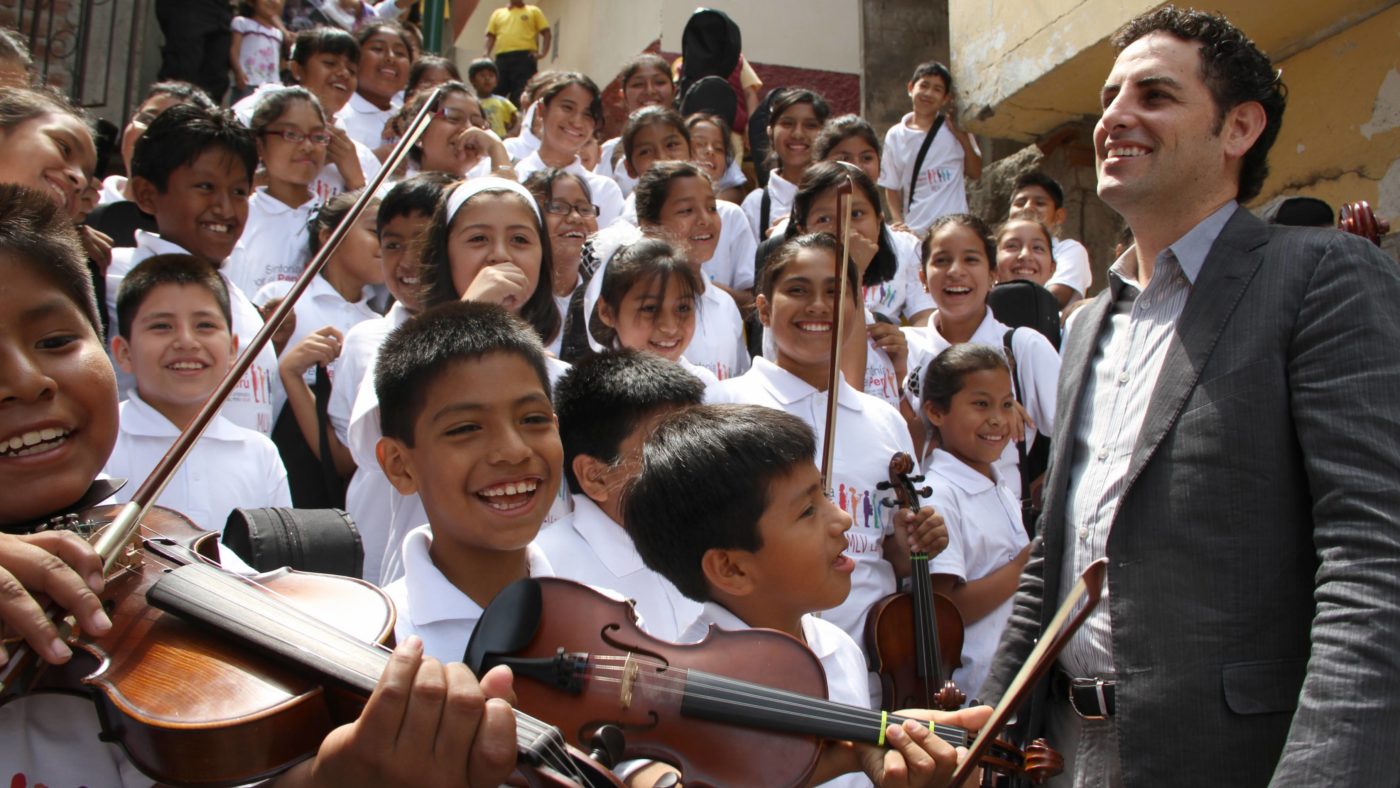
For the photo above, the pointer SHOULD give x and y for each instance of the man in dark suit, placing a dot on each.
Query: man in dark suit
(1228, 435)
(198, 35)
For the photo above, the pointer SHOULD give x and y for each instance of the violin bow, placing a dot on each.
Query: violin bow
(1083, 597)
(114, 537)
(833, 388)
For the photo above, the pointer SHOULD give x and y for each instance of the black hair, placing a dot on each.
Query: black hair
(1038, 178)
(694, 119)
(943, 377)
(326, 217)
(421, 66)
(482, 64)
(826, 175)
(785, 99)
(20, 105)
(604, 397)
(541, 183)
(655, 186)
(1234, 71)
(371, 29)
(703, 484)
(644, 60)
(324, 41)
(651, 116)
(272, 104)
(971, 222)
(786, 254)
(652, 260)
(185, 132)
(419, 194)
(168, 269)
(181, 91)
(838, 130)
(435, 267)
(933, 68)
(562, 80)
(417, 353)
(38, 232)
(14, 47)
(536, 83)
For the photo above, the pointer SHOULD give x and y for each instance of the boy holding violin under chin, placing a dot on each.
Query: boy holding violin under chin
(58, 423)
(729, 507)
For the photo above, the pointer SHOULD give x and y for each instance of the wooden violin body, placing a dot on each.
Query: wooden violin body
(890, 638)
(738, 708)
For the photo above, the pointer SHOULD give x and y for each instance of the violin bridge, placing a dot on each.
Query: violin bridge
(630, 669)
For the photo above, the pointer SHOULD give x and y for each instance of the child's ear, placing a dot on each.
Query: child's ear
(121, 353)
(592, 475)
(232, 347)
(728, 571)
(606, 315)
(1057, 218)
(923, 277)
(298, 75)
(397, 465)
(765, 309)
(934, 415)
(145, 193)
(630, 171)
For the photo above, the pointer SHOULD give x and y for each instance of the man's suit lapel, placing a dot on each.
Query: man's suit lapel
(1228, 269)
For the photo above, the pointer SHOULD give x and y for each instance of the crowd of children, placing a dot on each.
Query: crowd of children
(536, 353)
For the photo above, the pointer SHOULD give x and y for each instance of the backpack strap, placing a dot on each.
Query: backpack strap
(765, 207)
(919, 162)
(1022, 463)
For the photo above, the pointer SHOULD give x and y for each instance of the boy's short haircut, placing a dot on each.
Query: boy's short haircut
(481, 64)
(324, 40)
(168, 269)
(1038, 178)
(185, 132)
(604, 397)
(933, 68)
(417, 353)
(183, 92)
(418, 194)
(14, 47)
(703, 485)
(36, 230)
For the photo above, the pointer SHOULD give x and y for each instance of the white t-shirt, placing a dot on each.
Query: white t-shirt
(984, 534)
(322, 305)
(1071, 266)
(595, 550)
(250, 403)
(365, 122)
(903, 296)
(707, 377)
(869, 432)
(259, 52)
(48, 738)
(781, 193)
(330, 182)
(434, 609)
(718, 342)
(113, 188)
(405, 511)
(606, 195)
(939, 189)
(273, 247)
(1037, 372)
(521, 146)
(841, 658)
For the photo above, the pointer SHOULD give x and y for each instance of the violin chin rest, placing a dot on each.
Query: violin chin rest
(507, 625)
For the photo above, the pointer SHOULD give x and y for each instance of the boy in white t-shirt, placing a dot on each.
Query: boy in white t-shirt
(937, 186)
(967, 398)
(468, 428)
(173, 336)
(728, 506)
(1040, 197)
(607, 404)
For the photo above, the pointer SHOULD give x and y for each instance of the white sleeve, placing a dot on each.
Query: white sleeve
(916, 298)
(1038, 367)
(369, 163)
(607, 195)
(742, 249)
(753, 210)
(953, 559)
(892, 166)
(278, 492)
(1072, 267)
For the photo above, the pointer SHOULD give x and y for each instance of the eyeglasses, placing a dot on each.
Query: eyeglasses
(318, 138)
(458, 117)
(561, 208)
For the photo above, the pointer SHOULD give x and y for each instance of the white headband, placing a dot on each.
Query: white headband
(468, 189)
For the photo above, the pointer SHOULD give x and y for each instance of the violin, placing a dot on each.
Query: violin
(1357, 218)
(211, 678)
(738, 708)
(914, 638)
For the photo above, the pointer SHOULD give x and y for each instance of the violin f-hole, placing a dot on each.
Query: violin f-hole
(662, 664)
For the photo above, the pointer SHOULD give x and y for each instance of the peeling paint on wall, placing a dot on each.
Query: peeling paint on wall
(1385, 113)
(1388, 199)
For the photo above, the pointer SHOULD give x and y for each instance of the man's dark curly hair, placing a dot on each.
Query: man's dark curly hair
(1234, 70)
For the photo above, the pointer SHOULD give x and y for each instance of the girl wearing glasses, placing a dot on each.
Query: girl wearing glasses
(570, 217)
(290, 128)
(457, 141)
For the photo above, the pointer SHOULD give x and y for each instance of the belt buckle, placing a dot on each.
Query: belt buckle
(1098, 685)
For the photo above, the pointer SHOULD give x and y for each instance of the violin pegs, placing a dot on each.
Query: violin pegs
(889, 503)
(924, 492)
(1042, 762)
(882, 485)
(916, 479)
(607, 745)
(949, 698)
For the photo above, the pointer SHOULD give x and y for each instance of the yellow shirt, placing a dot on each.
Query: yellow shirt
(515, 29)
(500, 113)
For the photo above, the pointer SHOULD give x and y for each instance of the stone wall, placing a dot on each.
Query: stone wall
(897, 35)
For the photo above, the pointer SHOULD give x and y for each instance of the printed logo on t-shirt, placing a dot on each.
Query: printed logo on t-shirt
(880, 298)
(880, 381)
(721, 369)
(867, 532)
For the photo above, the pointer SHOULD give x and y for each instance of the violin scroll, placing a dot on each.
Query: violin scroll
(1042, 762)
(949, 698)
(1357, 218)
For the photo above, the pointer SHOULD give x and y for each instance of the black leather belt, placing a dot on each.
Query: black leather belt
(1091, 698)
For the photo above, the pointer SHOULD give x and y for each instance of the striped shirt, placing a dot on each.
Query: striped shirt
(1123, 373)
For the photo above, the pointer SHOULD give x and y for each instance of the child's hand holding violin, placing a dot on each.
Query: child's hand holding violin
(922, 531)
(916, 757)
(36, 568)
